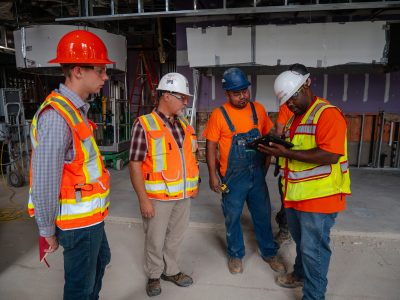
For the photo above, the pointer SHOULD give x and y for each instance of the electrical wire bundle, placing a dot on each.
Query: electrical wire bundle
(14, 211)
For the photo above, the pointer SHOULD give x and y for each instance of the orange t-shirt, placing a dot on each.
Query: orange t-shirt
(217, 129)
(330, 136)
(284, 115)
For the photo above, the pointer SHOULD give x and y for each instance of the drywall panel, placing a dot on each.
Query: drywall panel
(320, 45)
(36, 45)
(357, 42)
(265, 92)
(213, 46)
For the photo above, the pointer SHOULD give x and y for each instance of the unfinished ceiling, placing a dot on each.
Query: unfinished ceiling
(138, 19)
(123, 15)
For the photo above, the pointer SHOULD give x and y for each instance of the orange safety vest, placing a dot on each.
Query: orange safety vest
(169, 172)
(85, 182)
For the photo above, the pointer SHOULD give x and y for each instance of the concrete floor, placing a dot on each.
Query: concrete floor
(365, 242)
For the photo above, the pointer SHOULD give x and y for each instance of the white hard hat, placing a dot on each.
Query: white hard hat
(174, 82)
(288, 83)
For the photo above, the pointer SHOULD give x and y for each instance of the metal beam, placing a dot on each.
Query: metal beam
(237, 11)
(7, 50)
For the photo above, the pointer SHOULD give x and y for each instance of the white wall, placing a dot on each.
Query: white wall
(265, 92)
(314, 45)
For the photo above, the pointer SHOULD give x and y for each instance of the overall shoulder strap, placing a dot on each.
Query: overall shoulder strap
(227, 119)
(253, 109)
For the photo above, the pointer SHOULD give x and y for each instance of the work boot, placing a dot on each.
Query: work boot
(179, 279)
(153, 287)
(282, 237)
(289, 281)
(275, 264)
(235, 265)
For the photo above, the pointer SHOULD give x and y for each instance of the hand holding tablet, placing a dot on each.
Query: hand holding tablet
(266, 139)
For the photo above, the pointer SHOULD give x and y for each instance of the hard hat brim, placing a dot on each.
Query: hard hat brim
(186, 94)
(238, 88)
(84, 61)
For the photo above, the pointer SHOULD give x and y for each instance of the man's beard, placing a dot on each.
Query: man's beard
(181, 112)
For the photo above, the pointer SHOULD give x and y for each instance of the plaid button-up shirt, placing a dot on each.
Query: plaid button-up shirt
(138, 147)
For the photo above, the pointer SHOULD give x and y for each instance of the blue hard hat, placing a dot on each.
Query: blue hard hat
(234, 80)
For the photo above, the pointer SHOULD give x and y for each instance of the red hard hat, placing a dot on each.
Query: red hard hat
(81, 47)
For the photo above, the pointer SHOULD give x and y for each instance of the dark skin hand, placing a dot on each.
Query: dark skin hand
(314, 156)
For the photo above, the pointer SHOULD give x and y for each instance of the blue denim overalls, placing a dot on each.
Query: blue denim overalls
(245, 179)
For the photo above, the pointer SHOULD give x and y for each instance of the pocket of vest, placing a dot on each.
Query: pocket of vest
(171, 175)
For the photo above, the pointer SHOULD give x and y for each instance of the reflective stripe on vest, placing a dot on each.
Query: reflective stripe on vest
(171, 188)
(93, 168)
(84, 187)
(307, 174)
(158, 145)
(344, 166)
(286, 129)
(311, 117)
(193, 138)
(306, 129)
(71, 209)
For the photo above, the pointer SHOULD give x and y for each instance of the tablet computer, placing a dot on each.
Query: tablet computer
(266, 139)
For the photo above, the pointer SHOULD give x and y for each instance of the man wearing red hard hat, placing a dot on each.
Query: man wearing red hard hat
(69, 184)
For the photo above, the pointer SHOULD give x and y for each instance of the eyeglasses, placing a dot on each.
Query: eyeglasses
(239, 93)
(179, 97)
(99, 70)
(296, 95)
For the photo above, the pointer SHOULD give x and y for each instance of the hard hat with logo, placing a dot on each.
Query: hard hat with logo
(174, 82)
(234, 80)
(288, 83)
(81, 47)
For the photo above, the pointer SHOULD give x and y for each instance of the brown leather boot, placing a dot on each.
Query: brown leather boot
(275, 264)
(179, 279)
(153, 287)
(235, 265)
(289, 281)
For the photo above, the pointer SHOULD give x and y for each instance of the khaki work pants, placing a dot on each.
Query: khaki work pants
(163, 237)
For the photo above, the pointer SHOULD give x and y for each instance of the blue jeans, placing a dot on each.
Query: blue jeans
(280, 218)
(86, 255)
(247, 185)
(311, 233)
